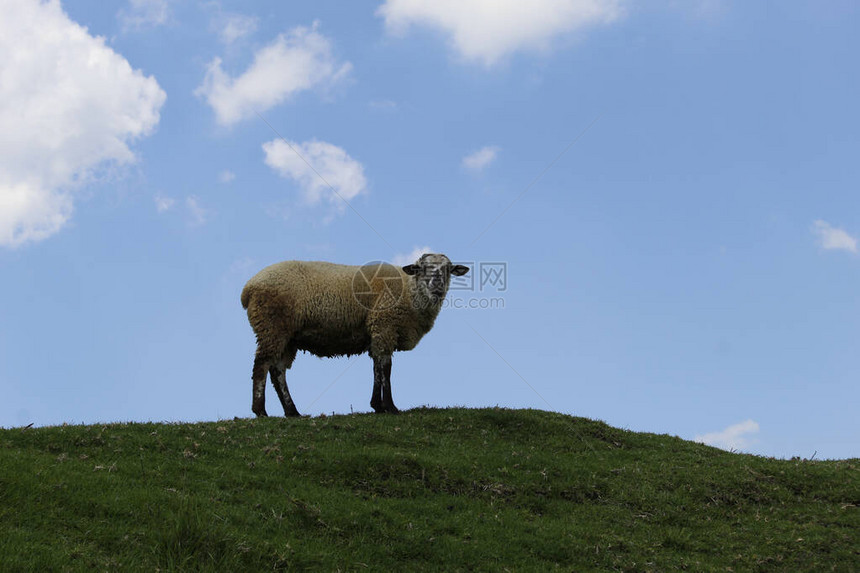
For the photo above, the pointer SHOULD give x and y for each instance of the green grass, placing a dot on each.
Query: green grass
(430, 489)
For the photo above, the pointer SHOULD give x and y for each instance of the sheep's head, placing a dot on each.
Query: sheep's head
(433, 274)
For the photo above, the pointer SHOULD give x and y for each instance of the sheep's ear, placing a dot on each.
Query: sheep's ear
(459, 270)
(411, 269)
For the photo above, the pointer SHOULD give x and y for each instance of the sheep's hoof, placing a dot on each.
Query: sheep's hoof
(382, 408)
(261, 412)
(292, 413)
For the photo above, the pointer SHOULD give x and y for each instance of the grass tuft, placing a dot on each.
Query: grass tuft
(189, 541)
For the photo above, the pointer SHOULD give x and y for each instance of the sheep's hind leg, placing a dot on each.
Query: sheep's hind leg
(382, 401)
(279, 381)
(258, 404)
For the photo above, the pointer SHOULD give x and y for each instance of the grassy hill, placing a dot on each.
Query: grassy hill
(431, 489)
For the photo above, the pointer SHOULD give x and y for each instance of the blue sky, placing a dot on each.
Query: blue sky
(672, 187)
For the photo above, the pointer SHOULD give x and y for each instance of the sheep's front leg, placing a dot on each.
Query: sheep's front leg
(382, 401)
(376, 397)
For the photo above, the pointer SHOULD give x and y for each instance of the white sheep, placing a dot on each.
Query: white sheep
(336, 310)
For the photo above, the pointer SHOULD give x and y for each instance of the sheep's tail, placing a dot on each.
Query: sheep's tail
(246, 297)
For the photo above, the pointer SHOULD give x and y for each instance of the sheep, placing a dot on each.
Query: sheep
(332, 310)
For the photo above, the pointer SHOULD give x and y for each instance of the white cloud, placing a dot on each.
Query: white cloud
(144, 13)
(331, 165)
(483, 157)
(409, 258)
(232, 27)
(226, 176)
(69, 105)
(735, 437)
(298, 60)
(831, 238)
(485, 31)
(163, 203)
(29, 211)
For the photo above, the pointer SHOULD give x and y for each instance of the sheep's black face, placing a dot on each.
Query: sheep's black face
(433, 273)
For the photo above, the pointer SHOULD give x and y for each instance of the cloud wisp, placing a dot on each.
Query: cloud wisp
(234, 27)
(197, 215)
(69, 106)
(163, 203)
(832, 238)
(143, 14)
(402, 259)
(321, 170)
(486, 32)
(734, 437)
(481, 158)
(296, 61)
